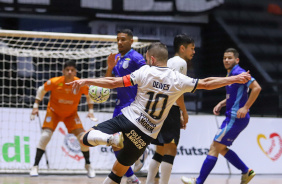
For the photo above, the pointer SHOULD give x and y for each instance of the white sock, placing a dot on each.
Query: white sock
(165, 172)
(96, 137)
(152, 171)
(109, 181)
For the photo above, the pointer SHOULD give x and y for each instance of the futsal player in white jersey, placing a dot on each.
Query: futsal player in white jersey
(158, 88)
(168, 138)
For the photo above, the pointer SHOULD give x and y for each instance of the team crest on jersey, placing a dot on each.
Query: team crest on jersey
(125, 63)
(48, 82)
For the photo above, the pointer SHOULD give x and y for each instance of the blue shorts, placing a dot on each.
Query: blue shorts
(230, 129)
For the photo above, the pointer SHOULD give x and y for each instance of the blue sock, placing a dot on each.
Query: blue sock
(233, 158)
(129, 172)
(207, 167)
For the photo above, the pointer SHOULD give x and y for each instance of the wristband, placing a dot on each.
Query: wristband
(91, 111)
(35, 105)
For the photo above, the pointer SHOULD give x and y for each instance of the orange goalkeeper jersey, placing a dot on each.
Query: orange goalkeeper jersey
(62, 101)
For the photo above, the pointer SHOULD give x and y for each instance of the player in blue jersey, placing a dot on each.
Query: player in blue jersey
(119, 65)
(237, 118)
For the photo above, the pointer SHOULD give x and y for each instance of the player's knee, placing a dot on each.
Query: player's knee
(45, 138)
(84, 140)
(79, 137)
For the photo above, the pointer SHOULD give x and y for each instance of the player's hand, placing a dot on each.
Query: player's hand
(91, 116)
(76, 85)
(241, 113)
(243, 77)
(34, 113)
(216, 109)
(111, 61)
(184, 120)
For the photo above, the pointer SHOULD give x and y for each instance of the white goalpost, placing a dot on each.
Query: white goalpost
(28, 59)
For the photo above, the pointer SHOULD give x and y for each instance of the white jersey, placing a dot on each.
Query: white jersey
(158, 88)
(176, 63)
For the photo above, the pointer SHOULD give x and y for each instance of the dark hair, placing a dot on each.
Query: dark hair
(159, 51)
(182, 39)
(234, 51)
(126, 31)
(69, 63)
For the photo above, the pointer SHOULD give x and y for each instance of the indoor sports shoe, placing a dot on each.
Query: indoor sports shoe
(188, 180)
(90, 171)
(246, 178)
(133, 180)
(116, 140)
(140, 162)
(34, 171)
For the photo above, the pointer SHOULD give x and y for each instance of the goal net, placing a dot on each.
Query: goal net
(28, 59)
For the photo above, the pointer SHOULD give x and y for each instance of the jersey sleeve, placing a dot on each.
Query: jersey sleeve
(139, 61)
(189, 84)
(49, 85)
(250, 81)
(137, 76)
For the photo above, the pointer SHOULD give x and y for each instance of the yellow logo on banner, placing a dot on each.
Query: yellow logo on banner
(273, 146)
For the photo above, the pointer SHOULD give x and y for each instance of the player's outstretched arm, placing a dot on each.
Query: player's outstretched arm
(218, 82)
(106, 82)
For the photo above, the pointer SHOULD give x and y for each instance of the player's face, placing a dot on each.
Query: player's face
(124, 43)
(188, 52)
(69, 72)
(229, 60)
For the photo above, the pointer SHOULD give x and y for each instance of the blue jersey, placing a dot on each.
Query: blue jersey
(127, 64)
(236, 94)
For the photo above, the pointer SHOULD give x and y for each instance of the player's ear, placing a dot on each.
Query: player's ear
(237, 60)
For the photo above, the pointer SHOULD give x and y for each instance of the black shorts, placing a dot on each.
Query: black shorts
(135, 141)
(170, 131)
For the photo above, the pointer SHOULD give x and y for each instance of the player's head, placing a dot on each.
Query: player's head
(157, 54)
(230, 58)
(184, 46)
(124, 40)
(69, 70)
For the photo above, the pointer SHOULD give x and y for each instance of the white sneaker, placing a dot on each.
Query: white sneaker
(34, 171)
(90, 171)
(246, 178)
(116, 140)
(133, 180)
(188, 180)
(140, 162)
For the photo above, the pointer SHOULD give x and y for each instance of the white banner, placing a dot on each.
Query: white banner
(259, 145)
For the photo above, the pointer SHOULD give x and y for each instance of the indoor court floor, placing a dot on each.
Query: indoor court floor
(82, 179)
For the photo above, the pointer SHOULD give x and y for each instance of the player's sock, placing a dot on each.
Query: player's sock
(166, 167)
(233, 158)
(129, 171)
(39, 153)
(86, 156)
(154, 168)
(207, 167)
(96, 137)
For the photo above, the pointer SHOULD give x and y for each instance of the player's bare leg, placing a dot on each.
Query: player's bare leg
(85, 151)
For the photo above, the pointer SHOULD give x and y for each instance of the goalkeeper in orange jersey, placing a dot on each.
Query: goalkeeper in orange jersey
(62, 106)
